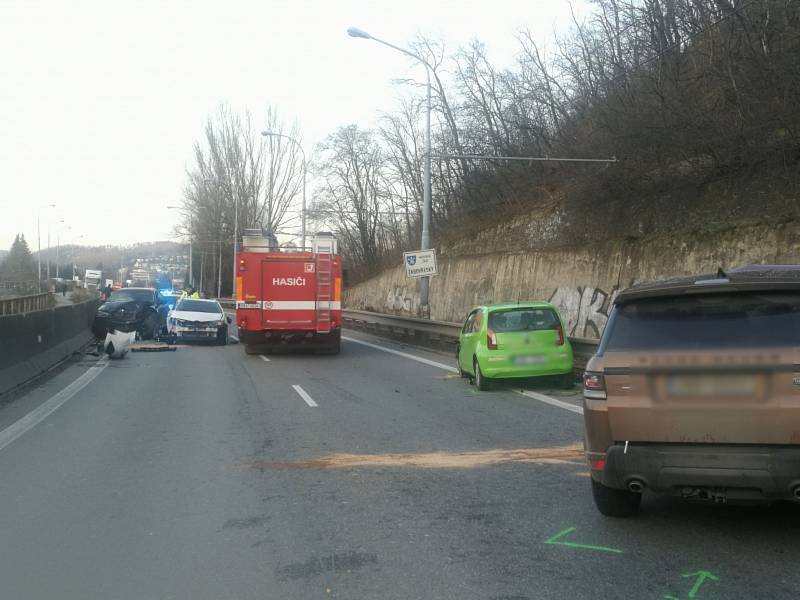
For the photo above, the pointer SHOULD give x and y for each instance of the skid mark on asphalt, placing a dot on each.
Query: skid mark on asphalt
(333, 563)
(571, 454)
(246, 522)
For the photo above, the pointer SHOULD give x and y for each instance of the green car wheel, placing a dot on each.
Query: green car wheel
(461, 372)
(480, 381)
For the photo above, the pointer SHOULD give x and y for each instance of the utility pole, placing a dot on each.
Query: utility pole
(39, 250)
(219, 272)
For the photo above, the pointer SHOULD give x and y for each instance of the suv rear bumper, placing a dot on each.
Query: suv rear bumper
(734, 471)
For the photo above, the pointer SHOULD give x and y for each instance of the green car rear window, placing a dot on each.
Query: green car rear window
(522, 319)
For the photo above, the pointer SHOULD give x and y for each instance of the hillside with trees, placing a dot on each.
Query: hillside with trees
(698, 101)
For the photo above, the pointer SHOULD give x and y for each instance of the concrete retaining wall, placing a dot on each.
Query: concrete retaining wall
(581, 281)
(33, 342)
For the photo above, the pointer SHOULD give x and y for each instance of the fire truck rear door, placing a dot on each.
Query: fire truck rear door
(288, 292)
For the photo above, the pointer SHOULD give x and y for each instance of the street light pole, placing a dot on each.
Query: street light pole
(424, 283)
(191, 272)
(58, 246)
(235, 244)
(39, 250)
(305, 172)
(39, 239)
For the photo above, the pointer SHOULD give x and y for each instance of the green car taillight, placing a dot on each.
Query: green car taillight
(491, 340)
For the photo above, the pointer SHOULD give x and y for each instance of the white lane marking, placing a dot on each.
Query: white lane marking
(535, 395)
(548, 400)
(425, 361)
(304, 395)
(264, 358)
(44, 410)
(233, 337)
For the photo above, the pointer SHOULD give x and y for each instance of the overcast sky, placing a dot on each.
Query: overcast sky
(100, 101)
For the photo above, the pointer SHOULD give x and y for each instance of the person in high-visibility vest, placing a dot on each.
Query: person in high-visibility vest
(195, 294)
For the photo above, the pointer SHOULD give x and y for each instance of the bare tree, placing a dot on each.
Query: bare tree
(355, 193)
(237, 171)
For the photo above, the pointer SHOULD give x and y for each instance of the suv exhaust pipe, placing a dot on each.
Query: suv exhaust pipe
(637, 486)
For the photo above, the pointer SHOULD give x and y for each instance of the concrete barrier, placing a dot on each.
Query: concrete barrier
(31, 343)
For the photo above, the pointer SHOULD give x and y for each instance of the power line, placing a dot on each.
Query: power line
(613, 159)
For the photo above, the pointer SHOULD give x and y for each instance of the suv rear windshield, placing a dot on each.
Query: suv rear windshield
(198, 306)
(522, 319)
(705, 321)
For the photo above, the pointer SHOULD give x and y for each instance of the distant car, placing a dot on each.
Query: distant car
(130, 309)
(694, 388)
(195, 319)
(504, 341)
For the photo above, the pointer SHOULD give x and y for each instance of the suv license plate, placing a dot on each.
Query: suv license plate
(535, 359)
(711, 385)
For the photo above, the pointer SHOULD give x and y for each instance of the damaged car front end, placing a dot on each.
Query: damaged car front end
(129, 310)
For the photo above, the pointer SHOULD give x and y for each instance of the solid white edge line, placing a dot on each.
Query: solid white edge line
(44, 410)
(424, 361)
(304, 395)
(548, 400)
(535, 395)
(264, 358)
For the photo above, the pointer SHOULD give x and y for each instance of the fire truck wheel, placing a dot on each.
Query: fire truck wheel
(335, 349)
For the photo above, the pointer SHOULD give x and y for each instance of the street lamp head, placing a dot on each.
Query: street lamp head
(358, 33)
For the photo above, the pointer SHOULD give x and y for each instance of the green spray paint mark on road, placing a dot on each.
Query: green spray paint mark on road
(701, 578)
(555, 540)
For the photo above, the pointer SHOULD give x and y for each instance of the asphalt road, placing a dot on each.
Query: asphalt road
(205, 473)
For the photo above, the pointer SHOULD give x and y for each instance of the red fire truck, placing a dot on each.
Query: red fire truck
(288, 297)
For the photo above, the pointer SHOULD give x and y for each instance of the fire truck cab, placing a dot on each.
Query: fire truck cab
(288, 297)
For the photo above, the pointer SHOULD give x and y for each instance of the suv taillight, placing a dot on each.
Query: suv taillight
(559, 335)
(594, 386)
(491, 340)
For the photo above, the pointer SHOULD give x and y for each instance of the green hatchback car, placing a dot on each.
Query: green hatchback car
(503, 341)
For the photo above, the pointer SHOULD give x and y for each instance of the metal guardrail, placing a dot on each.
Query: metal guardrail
(439, 334)
(443, 334)
(20, 288)
(25, 304)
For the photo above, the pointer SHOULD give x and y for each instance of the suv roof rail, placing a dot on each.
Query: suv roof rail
(752, 277)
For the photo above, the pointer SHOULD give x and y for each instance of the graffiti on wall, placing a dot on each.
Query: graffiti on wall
(584, 310)
(400, 299)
